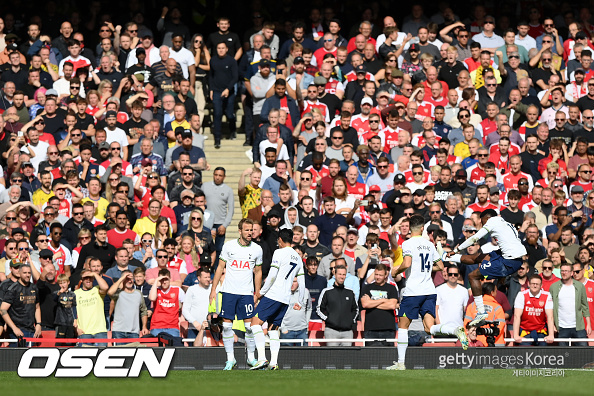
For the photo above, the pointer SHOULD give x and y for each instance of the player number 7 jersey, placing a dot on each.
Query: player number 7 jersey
(289, 265)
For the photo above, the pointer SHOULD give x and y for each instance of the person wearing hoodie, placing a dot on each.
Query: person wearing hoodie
(291, 218)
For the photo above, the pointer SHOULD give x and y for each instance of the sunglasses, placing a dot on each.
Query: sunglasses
(53, 153)
(464, 116)
(112, 179)
(490, 85)
(74, 87)
(489, 22)
(559, 119)
(50, 214)
(133, 31)
(42, 240)
(161, 256)
(329, 40)
(115, 148)
(10, 218)
(435, 211)
(588, 172)
(482, 155)
(463, 36)
(417, 173)
(382, 166)
(575, 271)
(513, 57)
(23, 248)
(153, 177)
(547, 268)
(306, 178)
(188, 174)
(452, 274)
(56, 233)
(84, 238)
(374, 121)
(77, 213)
(589, 118)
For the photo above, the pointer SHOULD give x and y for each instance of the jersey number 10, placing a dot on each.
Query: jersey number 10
(425, 264)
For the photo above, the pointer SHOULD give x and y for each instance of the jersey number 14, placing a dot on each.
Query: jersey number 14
(425, 263)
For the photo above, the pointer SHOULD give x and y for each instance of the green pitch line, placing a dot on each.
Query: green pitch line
(310, 382)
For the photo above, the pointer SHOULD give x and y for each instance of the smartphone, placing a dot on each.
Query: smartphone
(20, 133)
(374, 246)
(365, 202)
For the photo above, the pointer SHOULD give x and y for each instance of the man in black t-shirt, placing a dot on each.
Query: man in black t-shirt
(223, 35)
(20, 307)
(379, 299)
(46, 285)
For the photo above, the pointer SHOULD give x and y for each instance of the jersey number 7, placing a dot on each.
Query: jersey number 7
(425, 264)
(293, 265)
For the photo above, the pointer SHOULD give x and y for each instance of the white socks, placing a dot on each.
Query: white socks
(274, 336)
(249, 342)
(402, 344)
(260, 341)
(445, 329)
(228, 339)
(480, 308)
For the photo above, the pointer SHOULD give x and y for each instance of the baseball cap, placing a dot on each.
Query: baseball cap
(264, 63)
(574, 189)
(103, 146)
(414, 47)
(14, 263)
(361, 69)
(27, 163)
(366, 100)
(579, 70)
(274, 213)
(353, 230)
(375, 187)
(140, 51)
(179, 130)
(494, 190)
(186, 133)
(111, 113)
(580, 36)
(419, 192)
(12, 47)
(373, 208)
(399, 178)
(299, 59)
(146, 162)
(46, 253)
(461, 173)
(51, 92)
(397, 73)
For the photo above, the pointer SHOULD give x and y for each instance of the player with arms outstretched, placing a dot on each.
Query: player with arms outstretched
(274, 298)
(420, 259)
(243, 260)
(497, 264)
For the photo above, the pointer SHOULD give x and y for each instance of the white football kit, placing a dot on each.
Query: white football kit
(504, 234)
(240, 263)
(289, 265)
(418, 275)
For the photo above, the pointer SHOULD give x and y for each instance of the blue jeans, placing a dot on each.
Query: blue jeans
(171, 332)
(27, 334)
(124, 334)
(295, 335)
(572, 333)
(220, 105)
(91, 336)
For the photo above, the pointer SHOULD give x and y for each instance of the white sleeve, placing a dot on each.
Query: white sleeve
(549, 303)
(183, 268)
(186, 309)
(182, 295)
(519, 302)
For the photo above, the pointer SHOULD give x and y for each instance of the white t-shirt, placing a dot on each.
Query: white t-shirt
(264, 144)
(240, 263)
(266, 173)
(289, 265)
(418, 275)
(196, 304)
(567, 307)
(117, 135)
(40, 153)
(452, 304)
(185, 59)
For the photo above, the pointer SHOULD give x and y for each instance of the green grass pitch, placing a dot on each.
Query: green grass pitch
(310, 382)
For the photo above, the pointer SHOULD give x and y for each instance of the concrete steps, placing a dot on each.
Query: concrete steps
(232, 157)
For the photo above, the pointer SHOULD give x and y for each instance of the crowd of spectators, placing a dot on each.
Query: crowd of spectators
(106, 224)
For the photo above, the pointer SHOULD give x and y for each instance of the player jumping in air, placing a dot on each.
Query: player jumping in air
(274, 298)
(420, 259)
(499, 263)
(243, 260)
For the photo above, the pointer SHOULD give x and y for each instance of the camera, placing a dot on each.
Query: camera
(490, 330)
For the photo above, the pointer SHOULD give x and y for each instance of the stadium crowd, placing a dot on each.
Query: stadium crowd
(353, 128)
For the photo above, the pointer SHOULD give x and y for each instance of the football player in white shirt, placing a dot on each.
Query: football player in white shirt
(420, 259)
(499, 263)
(242, 260)
(274, 298)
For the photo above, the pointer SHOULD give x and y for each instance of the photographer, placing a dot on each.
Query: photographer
(494, 311)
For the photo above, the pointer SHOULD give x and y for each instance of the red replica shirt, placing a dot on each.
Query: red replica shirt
(533, 315)
(390, 138)
(116, 238)
(589, 285)
(309, 105)
(409, 176)
(510, 181)
(546, 283)
(488, 128)
(323, 172)
(59, 261)
(358, 190)
(166, 309)
(360, 124)
(425, 109)
(476, 207)
(477, 175)
(514, 149)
